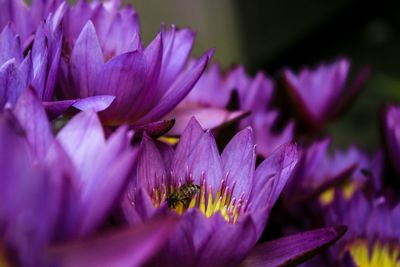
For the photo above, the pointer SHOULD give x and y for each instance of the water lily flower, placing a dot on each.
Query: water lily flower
(373, 237)
(146, 82)
(320, 93)
(39, 68)
(210, 99)
(222, 201)
(320, 173)
(391, 123)
(97, 168)
(36, 210)
(24, 18)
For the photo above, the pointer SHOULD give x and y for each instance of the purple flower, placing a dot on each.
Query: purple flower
(107, 58)
(39, 68)
(223, 202)
(318, 172)
(392, 135)
(373, 237)
(209, 102)
(97, 168)
(25, 19)
(320, 94)
(40, 204)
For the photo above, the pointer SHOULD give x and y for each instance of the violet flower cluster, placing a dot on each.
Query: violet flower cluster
(120, 154)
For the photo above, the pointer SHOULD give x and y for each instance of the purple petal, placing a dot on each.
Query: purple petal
(11, 83)
(152, 92)
(40, 57)
(229, 244)
(280, 165)
(56, 108)
(95, 103)
(188, 141)
(105, 181)
(179, 89)
(124, 77)
(129, 247)
(83, 138)
(32, 116)
(206, 161)
(294, 249)
(238, 160)
(270, 179)
(150, 168)
(155, 129)
(177, 47)
(191, 235)
(10, 46)
(209, 118)
(85, 63)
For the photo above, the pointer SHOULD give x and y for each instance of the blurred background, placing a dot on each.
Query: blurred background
(267, 35)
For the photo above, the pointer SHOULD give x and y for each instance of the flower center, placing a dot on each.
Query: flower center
(380, 254)
(187, 195)
(348, 189)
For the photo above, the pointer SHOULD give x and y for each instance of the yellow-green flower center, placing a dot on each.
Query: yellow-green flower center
(377, 255)
(187, 195)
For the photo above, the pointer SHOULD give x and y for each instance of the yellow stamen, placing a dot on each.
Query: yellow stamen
(381, 255)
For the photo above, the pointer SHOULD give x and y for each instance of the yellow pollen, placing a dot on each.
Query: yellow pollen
(380, 255)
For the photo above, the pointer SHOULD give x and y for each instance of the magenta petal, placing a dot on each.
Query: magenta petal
(85, 62)
(238, 160)
(178, 90)
(294, 249)
(32, 116)
(129, 247)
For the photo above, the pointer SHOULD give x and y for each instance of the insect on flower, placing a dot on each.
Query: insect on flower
(183, 195)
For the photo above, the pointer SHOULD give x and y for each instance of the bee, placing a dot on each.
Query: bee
(183, 195)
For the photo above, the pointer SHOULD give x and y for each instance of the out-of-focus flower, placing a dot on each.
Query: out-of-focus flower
(320, 175)
(392, 135)
(210, 99)
(24, 18)
(373, 237)
(98, 168)
(104, 56)
(39, 68)
(320, 94)
(224, 204)
(40, 205)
